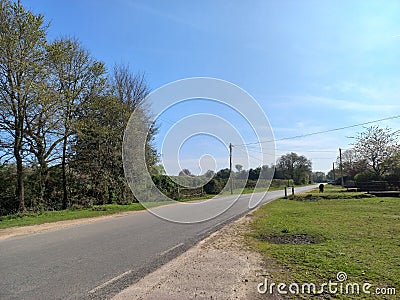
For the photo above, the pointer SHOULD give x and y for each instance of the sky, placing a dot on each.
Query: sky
(310, 65)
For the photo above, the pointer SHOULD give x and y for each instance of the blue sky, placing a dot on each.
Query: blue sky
(311, 65)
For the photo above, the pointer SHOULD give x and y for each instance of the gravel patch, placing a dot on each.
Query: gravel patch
(220, 267)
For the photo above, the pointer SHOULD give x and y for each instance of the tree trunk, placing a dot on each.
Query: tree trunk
(64, 175)
(20, 193)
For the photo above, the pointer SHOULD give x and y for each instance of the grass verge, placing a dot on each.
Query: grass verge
(316, 237)
(25, 219)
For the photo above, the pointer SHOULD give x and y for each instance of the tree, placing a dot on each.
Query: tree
(377, 146)
(185, 172)
(238, 167)
(22, 52)
(318, 177)
(43, 132)
(352, 164)
(293, 166)
(131, 89)
(97, 148)
(223, 174)
(159, 170)
(100, 127)
(76, 78)
(209, 174)
(254, 173)
(331, 176)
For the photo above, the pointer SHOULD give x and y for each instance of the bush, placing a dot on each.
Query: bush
(366, 176)
(8, 200)
(215, 186)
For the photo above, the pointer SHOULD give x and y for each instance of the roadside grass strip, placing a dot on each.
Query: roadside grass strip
(313, 237)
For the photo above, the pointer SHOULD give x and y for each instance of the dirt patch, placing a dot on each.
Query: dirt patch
(295, 239)
(222, 266)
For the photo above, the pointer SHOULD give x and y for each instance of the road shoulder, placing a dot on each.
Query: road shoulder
(221, 266)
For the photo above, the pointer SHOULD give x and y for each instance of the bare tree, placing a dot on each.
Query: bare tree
(131, 89)
(377, 146)
(352, 163)
(185, 172)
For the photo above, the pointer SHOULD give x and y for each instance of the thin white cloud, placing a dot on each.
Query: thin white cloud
(351, 105)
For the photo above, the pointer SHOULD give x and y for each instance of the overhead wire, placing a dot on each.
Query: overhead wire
(321, 132)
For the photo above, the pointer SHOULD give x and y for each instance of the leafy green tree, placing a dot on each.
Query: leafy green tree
(238, 168)
(22, 52)
(8, 201)
(223, 174)
(100, 125)
(294, 166)
(159, 170)
(97, 148)
(76, 77)
(209, 174)
(318, 176)
(43, 136)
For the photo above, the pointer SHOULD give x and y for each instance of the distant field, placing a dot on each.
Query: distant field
(311, 239)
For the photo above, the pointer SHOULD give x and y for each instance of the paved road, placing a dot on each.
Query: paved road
(98, 260)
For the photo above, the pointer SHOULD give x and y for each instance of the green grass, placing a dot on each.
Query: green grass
(359, 236)
(25, 219)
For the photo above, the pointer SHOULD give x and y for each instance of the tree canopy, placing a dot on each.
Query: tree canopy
(62, 118)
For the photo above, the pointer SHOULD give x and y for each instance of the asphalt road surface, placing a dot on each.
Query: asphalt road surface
(97, 260)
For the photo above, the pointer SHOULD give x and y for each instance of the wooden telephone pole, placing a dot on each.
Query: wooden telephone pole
(341, 166)
(230, 167)
(334, 175)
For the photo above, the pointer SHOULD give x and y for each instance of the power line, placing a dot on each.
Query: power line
(250, 155)
(294, 150)
(321, 132)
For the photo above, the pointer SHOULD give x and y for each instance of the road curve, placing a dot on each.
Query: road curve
(97, 260)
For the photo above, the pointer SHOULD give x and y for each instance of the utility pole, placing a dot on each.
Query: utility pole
(334, 175)
(230, 167)
(341, 166)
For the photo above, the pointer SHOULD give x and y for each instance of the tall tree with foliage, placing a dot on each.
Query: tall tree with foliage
(97, 148)
(100, 128)
(22, 52)
(43, 127)
(294, 166)
(76, 78)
